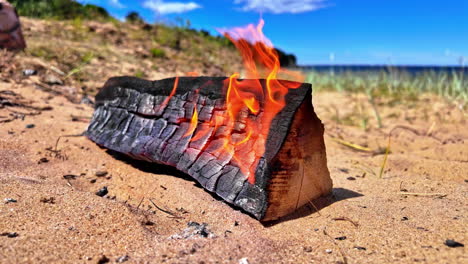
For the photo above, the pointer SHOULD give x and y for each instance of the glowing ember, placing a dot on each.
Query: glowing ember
(166, 101)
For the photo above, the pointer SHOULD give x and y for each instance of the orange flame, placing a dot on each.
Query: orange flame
(260, 60)
(192, 74)
(166, 101)
(251, 104)
(193, 123)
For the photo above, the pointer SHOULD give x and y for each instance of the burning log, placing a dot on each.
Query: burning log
(11, 37)
(267, 161)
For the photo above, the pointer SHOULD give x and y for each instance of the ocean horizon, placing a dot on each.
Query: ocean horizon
(412, 69)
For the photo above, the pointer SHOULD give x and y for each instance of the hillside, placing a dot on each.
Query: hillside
(84, 54)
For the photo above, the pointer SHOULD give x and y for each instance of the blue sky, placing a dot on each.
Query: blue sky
(403, 32)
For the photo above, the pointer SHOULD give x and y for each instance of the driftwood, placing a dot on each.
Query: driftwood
(142, 119)
(11, 36)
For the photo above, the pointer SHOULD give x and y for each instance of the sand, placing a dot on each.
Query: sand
(367, 219)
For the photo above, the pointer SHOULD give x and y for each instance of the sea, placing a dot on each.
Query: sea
(337, 69)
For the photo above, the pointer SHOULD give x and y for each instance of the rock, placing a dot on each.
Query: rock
(29, 72)
(122, 259)
(102, 192)
(50, 200)
(30, 126)
(10, 234)
(11, 37)
(86, 100)
(52, 79)
(103, 260)
(307, 249)
(359, 248)
(194, 230)
(10, 200)
(101, 173)
(43, 160)
(244, 261)
(70, 177)
(453, 244)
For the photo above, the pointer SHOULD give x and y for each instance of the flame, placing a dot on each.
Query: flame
(251, 104)
(193, 123)
(192, 74)
(260, 60)
(167, 99)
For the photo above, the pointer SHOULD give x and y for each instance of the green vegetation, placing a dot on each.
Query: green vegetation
(134, 17)
(394, 84)
(60, 9)
(158, 53)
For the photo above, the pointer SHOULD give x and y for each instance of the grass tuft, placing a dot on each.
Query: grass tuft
(398, 85)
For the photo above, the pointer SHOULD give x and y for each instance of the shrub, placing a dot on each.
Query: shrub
(59, 9)
(158, 53)
(134, 17)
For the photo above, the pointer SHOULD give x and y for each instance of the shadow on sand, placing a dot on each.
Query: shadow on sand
(338, 194)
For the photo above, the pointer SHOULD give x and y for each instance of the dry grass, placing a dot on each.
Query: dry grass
(89, 52)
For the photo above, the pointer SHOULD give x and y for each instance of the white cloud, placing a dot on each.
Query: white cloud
(116, 3)
(163, 7)
(282, 6)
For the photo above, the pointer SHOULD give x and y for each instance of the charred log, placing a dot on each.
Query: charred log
(148, 121)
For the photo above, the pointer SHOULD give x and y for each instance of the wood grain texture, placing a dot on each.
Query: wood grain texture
(132, 117)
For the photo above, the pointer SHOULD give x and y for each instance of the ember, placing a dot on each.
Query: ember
(255, 142)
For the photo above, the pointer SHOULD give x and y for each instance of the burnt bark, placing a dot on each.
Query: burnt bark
(140, 118)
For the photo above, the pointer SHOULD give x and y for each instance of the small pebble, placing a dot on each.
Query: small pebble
(102, 192)
(30, 126)
(101, 173)
(29, 72)
(10, 234)
(122, 259)
(10, 200)
(70, 177)
(50, 200)
(43, 160)
(103, 260)
(453, 244)
(341, 238)
(308, 249)
(52, 79)
(351, 178)
(86, 100)
(360, 248)
(328, 251)
(243, 261)
(404, 218)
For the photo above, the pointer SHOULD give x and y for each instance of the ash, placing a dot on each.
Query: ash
(194, 230)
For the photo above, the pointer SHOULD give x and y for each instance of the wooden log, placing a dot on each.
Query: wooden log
(153, 122)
